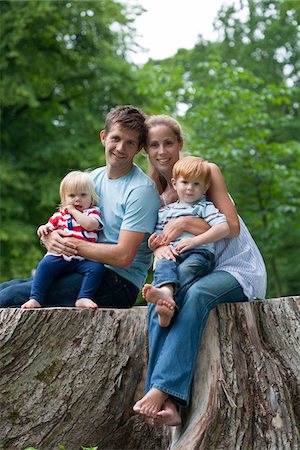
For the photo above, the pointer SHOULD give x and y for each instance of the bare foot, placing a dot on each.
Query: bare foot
(164, 312)
(165, 304)
(31, 304)
(168, 415)
(85, 303)
(151, 403)
(151, 294)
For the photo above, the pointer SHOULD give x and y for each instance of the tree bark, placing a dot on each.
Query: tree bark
(71, 377)
(246, 389)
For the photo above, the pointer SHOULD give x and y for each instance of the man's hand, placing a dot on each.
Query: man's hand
(59, 242)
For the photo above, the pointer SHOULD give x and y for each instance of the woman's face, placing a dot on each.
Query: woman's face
(163, 148)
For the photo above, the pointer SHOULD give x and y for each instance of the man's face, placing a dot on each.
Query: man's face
(121, 145)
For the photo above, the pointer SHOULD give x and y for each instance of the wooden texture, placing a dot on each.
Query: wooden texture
(71, 377)
(246, 390)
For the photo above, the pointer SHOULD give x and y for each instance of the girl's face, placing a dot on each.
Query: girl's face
(163, 148)
(81, 200)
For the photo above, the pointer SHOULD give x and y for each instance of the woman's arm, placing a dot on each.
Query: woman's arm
(218, 194)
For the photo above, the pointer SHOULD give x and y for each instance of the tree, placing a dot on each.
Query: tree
(63, 67)
(72, 376)
(238, 115)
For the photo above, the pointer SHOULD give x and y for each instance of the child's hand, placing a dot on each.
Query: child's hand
(70, 209)
(154, 241)
(185, 244)
(43, 230)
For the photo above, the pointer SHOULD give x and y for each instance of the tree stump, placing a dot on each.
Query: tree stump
(246, 389)
(71, 377)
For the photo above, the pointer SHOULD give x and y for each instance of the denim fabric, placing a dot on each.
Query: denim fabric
(188, 267)
(114, 292)
(51, 266)
(174, 350)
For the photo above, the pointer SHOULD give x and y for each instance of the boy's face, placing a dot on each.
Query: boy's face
(121, 145)
(188, 191)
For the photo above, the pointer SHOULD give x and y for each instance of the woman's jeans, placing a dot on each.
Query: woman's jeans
(174, 350)
(114, 291)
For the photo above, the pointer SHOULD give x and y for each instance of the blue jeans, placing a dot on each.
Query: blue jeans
(51, 266)
(182, 273)
(174, 350)
(114, 292)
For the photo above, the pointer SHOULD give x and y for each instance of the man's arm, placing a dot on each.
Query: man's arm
(120, 254)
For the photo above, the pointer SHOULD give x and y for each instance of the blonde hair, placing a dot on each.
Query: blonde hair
(75, 182)
(192, 167)
(168, 121)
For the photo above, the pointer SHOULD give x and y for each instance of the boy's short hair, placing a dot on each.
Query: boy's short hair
(75, 182)
(129, 117)
(192, 167)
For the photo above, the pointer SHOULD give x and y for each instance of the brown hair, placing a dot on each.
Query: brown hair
(75, 182)
(192, 167)
(153, 121)
(128, 117)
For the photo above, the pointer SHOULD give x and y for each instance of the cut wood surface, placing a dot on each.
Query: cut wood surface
(71, 377)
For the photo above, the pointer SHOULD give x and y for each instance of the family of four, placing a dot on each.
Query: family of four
(100, 245)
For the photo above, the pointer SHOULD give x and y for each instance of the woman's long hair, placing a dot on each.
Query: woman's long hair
(172, 123)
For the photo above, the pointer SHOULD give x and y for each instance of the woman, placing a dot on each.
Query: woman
(239, 275)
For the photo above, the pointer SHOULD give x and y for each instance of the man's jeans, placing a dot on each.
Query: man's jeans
(114, 292)
(174, 350)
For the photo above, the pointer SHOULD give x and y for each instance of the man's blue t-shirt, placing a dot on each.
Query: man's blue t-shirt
(129, 203)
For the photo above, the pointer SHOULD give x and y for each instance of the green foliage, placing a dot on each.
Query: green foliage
(64, 66)
(244, 115)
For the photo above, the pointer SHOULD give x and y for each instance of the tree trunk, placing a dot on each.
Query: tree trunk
(70, 376)
(246, 389)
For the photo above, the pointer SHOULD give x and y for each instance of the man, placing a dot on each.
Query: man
(128, 203)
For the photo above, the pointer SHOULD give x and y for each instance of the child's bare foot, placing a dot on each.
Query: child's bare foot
(168, 415)
(165, 312)
(165, 304)
(85, 303)
(151, 403)
(31, 304)
(151, 294)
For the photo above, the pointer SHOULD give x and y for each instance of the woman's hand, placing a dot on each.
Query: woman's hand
(58, 242)
(166, 252)
(172, 230)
